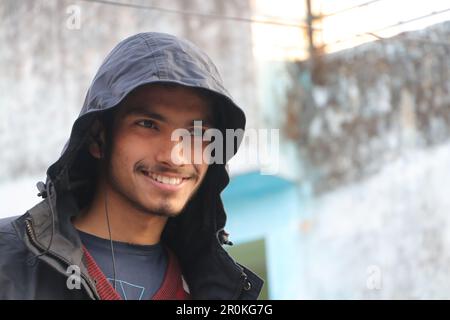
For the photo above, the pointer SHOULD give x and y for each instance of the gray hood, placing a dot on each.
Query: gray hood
(144, 58)
(147, 58)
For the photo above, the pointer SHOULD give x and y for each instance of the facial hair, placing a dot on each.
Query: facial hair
(163, 208)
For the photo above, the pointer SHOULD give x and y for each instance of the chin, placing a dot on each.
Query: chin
(164, 210)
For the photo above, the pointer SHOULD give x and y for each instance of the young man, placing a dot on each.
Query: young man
(127, 213)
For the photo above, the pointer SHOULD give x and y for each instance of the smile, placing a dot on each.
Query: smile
(164, 182)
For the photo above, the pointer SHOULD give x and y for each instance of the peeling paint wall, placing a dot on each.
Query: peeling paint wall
(373, 144)
(376, 101)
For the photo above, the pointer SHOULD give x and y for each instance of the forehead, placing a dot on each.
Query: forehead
(173, 101)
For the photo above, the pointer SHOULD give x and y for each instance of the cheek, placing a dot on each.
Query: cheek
(126, 153)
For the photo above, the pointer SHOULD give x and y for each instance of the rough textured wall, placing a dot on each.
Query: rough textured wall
(373, 102)
(46, 67)
(373, 142)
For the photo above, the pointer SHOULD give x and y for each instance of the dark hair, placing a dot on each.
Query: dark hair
(85, 169)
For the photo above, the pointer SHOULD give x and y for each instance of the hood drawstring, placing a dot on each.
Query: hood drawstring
(110, 240)
(223, 237)
(42, 190)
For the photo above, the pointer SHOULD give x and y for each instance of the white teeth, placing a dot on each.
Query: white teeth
(166, 180)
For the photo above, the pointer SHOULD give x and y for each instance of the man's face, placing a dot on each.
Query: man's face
(142, 169)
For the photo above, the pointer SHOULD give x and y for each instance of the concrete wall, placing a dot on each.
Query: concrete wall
(373, 154)
(372, 103)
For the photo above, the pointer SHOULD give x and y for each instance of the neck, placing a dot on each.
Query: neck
(127, 223)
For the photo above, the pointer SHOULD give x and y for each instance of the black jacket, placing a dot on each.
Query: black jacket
(37, 248)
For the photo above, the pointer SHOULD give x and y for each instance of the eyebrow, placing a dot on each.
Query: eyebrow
(142, 111)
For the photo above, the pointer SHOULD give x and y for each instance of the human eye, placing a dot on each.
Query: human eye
(146, 123)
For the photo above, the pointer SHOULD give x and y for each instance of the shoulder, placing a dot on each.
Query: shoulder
(13, 255)
(10, 236)
(6, 225)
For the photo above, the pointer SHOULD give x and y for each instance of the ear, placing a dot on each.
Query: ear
(96, 140)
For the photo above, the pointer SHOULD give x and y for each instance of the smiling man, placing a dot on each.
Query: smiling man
(126, 213)
(139, 172)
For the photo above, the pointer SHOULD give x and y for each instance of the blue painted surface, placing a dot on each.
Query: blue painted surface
(261, 206)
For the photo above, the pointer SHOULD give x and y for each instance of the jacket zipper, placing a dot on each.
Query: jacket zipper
(33, 240)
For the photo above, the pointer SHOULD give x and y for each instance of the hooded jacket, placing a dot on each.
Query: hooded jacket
(37, 248)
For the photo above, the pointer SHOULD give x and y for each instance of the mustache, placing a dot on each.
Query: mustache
(161, 169)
